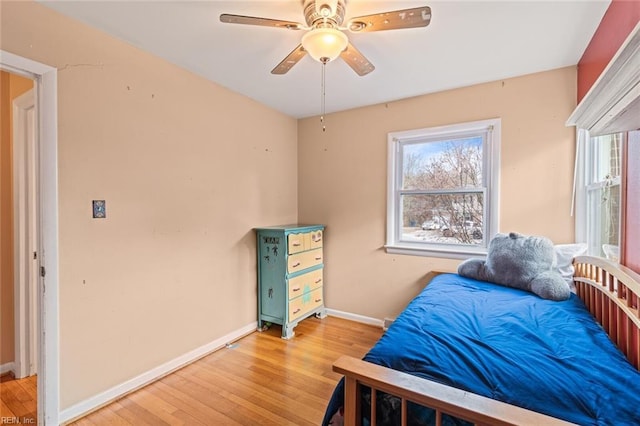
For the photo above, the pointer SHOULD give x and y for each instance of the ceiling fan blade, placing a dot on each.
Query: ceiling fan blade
(291, 59)
(264, 22)
(356, 60)
(397, 19)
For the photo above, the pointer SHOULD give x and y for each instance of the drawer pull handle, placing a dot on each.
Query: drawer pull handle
(296, 289)
(297, 244)
(318, 300)
(295, 265)
(318, 258)
(296, 311)
(319, 280)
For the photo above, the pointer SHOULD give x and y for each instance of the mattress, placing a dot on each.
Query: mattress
(509, 345)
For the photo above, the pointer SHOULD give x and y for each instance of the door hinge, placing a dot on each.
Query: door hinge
(35, 255)
(43, 272)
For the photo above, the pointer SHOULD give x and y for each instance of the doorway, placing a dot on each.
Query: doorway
(37, 232)
(18, 219)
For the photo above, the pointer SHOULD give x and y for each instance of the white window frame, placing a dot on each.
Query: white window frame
(584, 182)
(611, 105)
(491, 178)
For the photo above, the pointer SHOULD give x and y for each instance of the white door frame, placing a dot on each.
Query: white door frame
(25, 198)
(46, 81)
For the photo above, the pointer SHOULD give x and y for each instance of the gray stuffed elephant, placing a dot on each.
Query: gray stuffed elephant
(522, 262)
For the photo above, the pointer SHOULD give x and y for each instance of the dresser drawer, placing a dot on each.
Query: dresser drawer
(297, 242)
(304, 260)
(305, 283)
(304, 304)
(315, 239)
(304, 241)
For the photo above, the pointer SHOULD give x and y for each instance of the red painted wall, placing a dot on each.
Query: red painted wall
(631, 252)
(620, 18)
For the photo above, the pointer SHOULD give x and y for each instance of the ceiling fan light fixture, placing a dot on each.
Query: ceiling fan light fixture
(326, 8)
(324, 44)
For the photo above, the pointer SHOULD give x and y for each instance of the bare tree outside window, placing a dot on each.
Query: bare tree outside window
(442, 192)
(443, 198)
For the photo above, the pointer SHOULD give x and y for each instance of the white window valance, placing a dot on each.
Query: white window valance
(613, 102)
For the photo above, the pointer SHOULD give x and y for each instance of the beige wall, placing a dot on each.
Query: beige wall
(187, 169)
(11, 86)
(343, 175)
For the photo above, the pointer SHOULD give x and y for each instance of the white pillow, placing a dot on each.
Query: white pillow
(564, 260)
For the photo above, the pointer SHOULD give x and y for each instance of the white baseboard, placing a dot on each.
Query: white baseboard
(355, 317)
(8, 368)
(91, 404)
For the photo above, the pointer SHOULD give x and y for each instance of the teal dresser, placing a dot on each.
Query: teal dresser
(290, 279)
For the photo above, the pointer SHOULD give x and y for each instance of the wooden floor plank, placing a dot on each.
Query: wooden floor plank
(260, 379)
(134, 414)
(85, 422)
(201, 411)
(237, 389)
(107, 416)
(9, 397)
(233, 385)
(188, 419)
(157, 406)
(6, 411)
(19, 402)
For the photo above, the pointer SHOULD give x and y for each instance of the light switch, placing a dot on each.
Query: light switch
(99, 209)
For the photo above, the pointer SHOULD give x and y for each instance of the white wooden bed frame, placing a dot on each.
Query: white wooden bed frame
(610, 292)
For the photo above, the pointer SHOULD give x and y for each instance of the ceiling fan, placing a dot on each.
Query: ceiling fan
(326, 40)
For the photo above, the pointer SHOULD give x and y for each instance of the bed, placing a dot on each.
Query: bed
(471, 352)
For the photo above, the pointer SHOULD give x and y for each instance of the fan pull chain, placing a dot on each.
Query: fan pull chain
(323, 89)
(324, 79)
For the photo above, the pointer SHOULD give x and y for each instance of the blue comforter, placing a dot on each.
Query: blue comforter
(510, 345)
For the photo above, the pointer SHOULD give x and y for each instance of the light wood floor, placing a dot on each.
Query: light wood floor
(18, 400)
(260, 380)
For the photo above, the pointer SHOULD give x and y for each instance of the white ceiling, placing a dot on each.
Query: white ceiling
(467, 42)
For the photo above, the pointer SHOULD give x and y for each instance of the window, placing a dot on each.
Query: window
(442, 195)
(601, 198)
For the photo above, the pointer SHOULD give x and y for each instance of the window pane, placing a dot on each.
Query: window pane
(606, 159)
(443, 218)
(603, 195)
(448, 164)
(441, 199)
(603, 221)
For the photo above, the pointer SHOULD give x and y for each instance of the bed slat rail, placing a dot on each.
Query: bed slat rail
(610, 292)
(443, 399)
